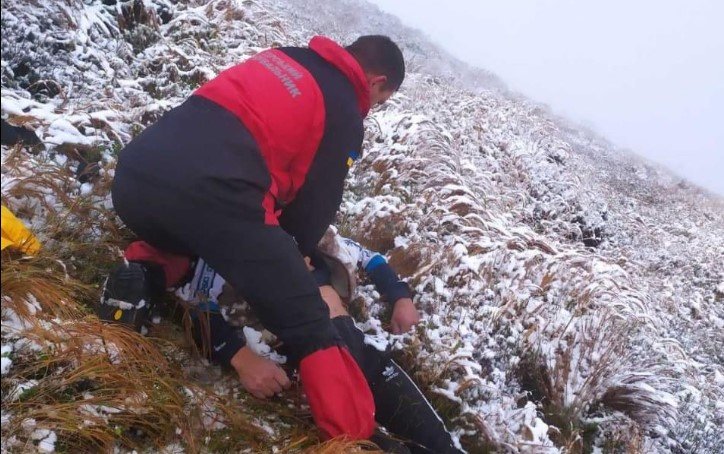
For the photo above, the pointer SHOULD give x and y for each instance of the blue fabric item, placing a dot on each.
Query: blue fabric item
(208, 306)
(374, 262)
(387, 282)
(398, 290)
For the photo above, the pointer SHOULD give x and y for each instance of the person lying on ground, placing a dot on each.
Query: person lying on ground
(400, 406)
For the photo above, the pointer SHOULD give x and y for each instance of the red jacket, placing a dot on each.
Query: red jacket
(279, 95)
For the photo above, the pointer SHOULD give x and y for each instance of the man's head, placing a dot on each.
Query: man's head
(383, 64)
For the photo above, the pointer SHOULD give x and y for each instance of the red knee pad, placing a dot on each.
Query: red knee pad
(338, 394)
(175, 267)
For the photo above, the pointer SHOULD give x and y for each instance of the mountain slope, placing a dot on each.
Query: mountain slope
(572, 292)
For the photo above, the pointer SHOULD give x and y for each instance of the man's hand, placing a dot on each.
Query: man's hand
(260, 376)
(404, 316)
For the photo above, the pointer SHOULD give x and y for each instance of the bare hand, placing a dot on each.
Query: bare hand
(258, 375)
(404, 316)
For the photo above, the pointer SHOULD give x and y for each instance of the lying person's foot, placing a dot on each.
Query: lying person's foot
(129, 294)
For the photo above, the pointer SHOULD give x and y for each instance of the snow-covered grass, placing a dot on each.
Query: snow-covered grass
(84, 385)
(572, 292)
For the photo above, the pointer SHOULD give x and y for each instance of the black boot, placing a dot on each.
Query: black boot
(400, 406)
(130, 293)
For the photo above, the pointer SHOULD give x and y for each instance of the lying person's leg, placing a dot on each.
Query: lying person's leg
(401, 407)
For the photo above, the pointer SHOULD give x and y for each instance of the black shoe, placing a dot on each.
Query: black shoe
(129, 294)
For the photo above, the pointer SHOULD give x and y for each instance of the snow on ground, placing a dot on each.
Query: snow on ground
(572, 292)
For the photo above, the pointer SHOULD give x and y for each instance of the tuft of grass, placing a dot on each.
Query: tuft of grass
(567, 396)
(96, 386)
(546, 389)
(46, 280)
(101, 386)
(407, 261)
(77, 229)
(634, 397)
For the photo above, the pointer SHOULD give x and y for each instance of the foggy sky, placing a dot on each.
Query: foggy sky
(648, 75)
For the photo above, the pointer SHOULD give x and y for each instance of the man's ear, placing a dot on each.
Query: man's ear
(377, 80)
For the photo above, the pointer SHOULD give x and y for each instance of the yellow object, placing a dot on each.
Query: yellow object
(118, 314)
(15, 235)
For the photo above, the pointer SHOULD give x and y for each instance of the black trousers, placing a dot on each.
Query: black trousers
(400, 406)
(193, 183)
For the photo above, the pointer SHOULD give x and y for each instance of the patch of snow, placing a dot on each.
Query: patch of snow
(6, 363)
(174, 448)
(47, 438)
(4, 417)
(20, 388)
(257, 345)
(718, 378)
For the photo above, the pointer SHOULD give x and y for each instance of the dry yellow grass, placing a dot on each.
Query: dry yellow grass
(45, 279)
(98, 385)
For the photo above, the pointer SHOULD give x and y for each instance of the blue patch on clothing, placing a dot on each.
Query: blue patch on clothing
(353, 156)
(374, 262)
(208, 306)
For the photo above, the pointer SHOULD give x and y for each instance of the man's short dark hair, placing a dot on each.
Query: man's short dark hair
(378, 54)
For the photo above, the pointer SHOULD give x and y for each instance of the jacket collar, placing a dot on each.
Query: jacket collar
(345, 62)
